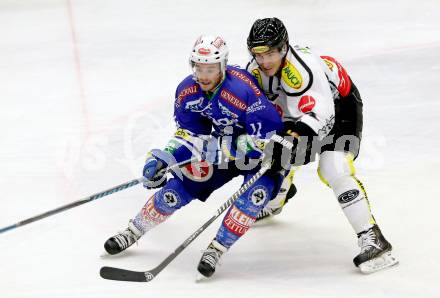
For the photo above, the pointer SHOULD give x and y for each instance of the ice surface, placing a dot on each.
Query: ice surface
(86, 88)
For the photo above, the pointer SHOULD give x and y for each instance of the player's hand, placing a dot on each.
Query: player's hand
(279, 153)
(155, 168)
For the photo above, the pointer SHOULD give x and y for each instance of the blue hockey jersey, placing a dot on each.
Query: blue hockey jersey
(237, 109)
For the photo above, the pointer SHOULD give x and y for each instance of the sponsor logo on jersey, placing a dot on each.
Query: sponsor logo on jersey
(151, 214)
(185, 92)
(256, 106)
(194, 104)
(325, 130)
(183, 134)
(344, 84)
(204, 51)
(245, 79)
(348, 196)
(329, 64)
(306, 104)
(199, 171)
(230, 98)
(226, 111)
(258, 195)
(291, 75)
(237, 222)
(256, 73)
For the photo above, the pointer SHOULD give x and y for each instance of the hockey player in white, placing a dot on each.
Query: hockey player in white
(317, 99)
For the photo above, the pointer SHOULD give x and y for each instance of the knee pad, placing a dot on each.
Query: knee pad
(171, 197)
(256, 197)
(334, 165)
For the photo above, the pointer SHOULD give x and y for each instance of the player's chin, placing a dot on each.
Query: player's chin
(206, 86)
(270, 72)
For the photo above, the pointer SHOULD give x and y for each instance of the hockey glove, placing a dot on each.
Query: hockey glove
(155, 168)
(279, 152)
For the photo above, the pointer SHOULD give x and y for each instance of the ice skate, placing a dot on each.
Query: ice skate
(123, 240)
(376, 251)
(210, 259)
(274, 207)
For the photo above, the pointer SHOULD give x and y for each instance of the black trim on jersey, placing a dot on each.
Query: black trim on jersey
(249, 64)
(270, 85)
(308, 71)
(313, 115)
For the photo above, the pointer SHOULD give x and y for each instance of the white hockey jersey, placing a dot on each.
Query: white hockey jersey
(305, 88)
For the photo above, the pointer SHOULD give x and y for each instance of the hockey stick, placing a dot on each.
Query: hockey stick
(113, 273)
(89, 198)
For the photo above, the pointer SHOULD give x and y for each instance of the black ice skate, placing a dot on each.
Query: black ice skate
(375, 251)
(210, 258)
(269, 211)
(123, 240)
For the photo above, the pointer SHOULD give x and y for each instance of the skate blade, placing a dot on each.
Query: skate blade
(200, 278)
(104, 255)
(384, 261)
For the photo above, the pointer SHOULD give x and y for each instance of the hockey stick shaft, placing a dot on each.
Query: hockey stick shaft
(88, 199)
(127, 275)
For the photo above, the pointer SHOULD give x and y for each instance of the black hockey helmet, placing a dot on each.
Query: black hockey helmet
(266, 34)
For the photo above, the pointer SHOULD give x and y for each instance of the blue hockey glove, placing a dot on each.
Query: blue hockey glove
(155, 168)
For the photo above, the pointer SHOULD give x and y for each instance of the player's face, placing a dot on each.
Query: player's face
(270, 61)
(208, 75)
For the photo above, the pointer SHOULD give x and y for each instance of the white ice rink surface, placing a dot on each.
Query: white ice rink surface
(87, 87)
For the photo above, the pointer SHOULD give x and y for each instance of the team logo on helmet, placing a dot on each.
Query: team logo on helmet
(199, 171)
(218, 42)
(204, 51)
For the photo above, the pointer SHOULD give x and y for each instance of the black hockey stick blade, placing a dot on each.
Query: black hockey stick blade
(113, 273)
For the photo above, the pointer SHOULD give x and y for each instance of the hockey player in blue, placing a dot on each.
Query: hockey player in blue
(223, 117)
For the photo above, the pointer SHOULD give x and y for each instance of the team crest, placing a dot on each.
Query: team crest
(258, 195)
(171, 198)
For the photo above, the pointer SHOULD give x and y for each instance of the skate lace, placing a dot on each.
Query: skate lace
(368, 240)
(125, 239)
(263, 213)
(211, 256)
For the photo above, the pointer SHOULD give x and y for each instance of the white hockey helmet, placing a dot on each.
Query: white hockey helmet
(210, 49)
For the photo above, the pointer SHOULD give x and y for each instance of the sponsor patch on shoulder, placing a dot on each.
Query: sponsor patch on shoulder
(291, 75)
(306, 104)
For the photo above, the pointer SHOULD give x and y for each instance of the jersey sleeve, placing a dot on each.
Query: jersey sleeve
(337, 75)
